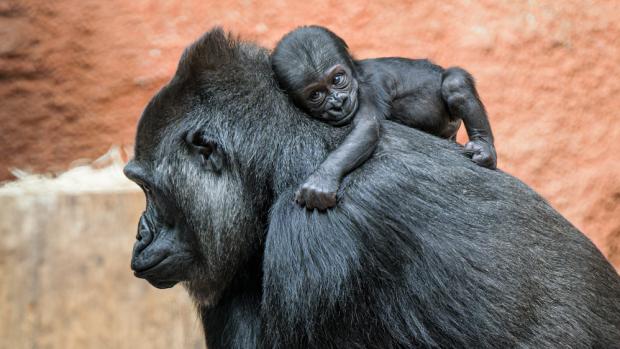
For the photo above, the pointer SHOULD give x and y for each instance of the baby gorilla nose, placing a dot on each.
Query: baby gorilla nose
(337, 100)
(336, 104)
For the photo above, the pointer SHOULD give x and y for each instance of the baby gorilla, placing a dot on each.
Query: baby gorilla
(315, 67)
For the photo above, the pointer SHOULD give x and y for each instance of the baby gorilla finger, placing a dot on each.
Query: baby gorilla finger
(300, 198)
(484, 159)
(321, 200)
(325, 200)
(482, 153)
(312, 200)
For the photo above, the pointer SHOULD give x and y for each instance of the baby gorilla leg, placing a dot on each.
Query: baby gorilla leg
(459, 93)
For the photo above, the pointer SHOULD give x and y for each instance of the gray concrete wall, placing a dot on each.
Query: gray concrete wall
(65, 280)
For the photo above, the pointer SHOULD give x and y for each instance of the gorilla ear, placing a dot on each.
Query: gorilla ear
(208, 149)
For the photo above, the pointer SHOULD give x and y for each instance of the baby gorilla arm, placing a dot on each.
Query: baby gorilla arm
(319, 190)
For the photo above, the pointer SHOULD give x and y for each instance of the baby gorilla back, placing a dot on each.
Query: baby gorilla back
(414, 86)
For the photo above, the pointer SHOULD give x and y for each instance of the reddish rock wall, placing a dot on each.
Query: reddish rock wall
(75, 75)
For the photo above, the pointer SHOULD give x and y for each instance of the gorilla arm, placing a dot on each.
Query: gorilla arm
(319, 190)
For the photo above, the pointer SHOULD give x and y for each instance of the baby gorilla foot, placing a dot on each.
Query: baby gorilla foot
(482, 153)
(317, 192)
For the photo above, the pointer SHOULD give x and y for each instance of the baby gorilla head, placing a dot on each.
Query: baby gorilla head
(314, 66)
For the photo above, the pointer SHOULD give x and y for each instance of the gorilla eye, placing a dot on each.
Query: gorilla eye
(339, 79)
(316, 96)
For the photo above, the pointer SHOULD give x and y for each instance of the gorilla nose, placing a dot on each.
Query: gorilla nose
(336, 101)
(144, 236)
(146, 253)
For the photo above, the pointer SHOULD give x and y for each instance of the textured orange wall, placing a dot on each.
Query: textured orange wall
(75, 75)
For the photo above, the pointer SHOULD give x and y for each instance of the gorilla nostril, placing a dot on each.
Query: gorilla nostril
(144, 235)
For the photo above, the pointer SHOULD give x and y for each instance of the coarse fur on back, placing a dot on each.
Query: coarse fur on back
(399, 263)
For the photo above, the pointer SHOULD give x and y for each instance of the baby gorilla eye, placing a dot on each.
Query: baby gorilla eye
(315, 96)
(339, 79)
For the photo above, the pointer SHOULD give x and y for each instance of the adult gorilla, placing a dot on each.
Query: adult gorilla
(425, 248)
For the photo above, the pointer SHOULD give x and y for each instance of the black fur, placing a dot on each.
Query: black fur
(399, 263)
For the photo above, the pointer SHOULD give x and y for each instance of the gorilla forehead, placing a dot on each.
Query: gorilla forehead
(212, 76)
(162, 111)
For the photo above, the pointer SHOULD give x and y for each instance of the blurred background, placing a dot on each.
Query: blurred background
(76, 74)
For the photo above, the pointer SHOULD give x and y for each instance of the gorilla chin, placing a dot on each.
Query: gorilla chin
(161, 284)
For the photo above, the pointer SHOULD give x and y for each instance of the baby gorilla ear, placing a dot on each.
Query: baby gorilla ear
(204, 146)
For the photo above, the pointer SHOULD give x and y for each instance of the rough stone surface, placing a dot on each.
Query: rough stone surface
(75, 75)
(65, 280)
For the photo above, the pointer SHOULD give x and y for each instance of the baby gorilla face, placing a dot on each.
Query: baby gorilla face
(332, 99)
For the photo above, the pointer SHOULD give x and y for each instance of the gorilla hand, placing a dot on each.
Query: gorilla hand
(318, 191)
(482, 153)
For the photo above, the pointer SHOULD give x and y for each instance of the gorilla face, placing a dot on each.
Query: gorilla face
(161, 254)
(201, 161)
(199, 225)
(333, 98)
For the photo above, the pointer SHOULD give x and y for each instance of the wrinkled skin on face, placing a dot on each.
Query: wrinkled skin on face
(333, 98)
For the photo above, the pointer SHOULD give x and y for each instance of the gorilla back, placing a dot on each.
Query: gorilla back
(426, 249)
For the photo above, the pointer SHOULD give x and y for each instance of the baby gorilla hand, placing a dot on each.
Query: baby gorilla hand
(483, 153)
(319, 191)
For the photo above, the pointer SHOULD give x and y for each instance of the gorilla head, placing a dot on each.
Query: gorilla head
(424, 249)
(205, 212)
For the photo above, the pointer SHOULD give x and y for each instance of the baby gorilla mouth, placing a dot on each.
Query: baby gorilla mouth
(336, 111)
(342, 115)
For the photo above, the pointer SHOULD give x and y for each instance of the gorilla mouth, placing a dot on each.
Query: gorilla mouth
(150, 273)
(340, 117)
(145, 269)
